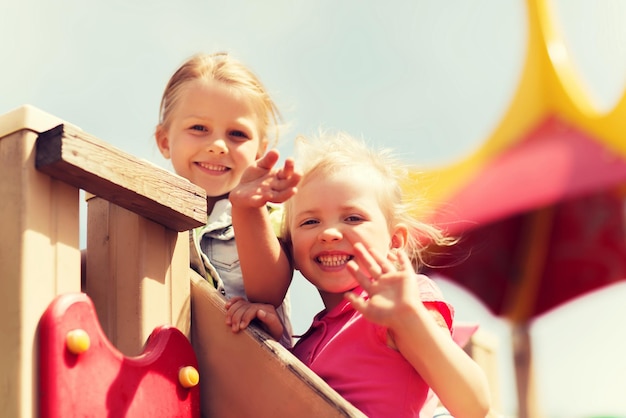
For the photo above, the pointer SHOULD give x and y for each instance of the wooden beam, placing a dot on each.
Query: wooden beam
(84, 161)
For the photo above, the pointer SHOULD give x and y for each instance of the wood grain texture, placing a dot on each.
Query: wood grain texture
(88, 163)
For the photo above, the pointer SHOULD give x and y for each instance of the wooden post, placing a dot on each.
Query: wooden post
(39, 254)
(137, 254)
(137, 274)
(524, 374)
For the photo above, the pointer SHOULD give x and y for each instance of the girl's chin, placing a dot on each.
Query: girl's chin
(338, 289)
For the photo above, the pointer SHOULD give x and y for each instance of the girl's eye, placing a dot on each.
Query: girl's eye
(239, 134)
(308, 222)
(199, 128)
(354, 218)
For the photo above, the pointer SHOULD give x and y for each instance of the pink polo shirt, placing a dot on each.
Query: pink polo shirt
(351, 355)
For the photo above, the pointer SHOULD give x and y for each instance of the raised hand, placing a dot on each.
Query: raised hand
(262, 183)
(416, 332)
(390, 282)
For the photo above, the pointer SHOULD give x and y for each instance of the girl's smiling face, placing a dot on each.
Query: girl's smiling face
(212, 136)
(329, 213)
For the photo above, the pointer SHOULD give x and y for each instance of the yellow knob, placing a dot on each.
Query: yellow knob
(188, 376)
(77, 341)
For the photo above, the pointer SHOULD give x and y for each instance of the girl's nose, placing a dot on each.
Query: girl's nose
(330, 235)
(216, 146)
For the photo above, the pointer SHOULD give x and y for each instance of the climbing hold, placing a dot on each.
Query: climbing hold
(77, 341)
(188, 376)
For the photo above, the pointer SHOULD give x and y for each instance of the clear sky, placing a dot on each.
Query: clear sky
(429, 78)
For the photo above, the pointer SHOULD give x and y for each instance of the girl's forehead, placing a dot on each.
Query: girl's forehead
(356, 173)
(347, 182)
(198, 93)
(217, 87)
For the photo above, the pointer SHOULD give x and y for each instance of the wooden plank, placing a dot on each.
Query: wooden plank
(250, 375)
(86, 162)
(136, 274)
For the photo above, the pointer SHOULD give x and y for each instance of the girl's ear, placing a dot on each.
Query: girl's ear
(262, 148)
(400, 236)
(162, 141)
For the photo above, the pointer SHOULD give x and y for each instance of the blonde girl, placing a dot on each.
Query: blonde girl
(216, 120)
(384, 339)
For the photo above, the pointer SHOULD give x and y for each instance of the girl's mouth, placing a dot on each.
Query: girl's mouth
(333, 260)
(212, 167)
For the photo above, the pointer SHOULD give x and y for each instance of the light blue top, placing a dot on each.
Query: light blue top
(215, 245)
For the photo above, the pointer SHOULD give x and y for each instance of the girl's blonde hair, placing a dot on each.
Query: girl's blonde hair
(329, 153)
(225, 69)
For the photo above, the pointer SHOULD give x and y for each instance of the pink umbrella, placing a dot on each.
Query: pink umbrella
(539, 207)
(539, 225)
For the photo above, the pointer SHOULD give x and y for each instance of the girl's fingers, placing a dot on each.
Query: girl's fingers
(373, 262)
(383, 261)
(364, 280)
(271, 322)
(286, 180)
(268, 160)
(403, 261)
(230, 302)
(239, 314)
(356, 301)
(366, 260)
(287, 170)
(231, 308)
(282, 188)
(233, 316)
(248, 315)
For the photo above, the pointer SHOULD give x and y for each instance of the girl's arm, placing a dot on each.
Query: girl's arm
(457, 380)
(265, 266)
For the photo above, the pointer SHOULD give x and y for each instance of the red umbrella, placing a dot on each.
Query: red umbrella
(539, 208)
(540, 224)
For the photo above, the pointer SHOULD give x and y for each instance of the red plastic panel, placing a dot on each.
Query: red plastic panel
(101, 381)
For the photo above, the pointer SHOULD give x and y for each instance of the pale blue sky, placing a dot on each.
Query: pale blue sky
(429, 78)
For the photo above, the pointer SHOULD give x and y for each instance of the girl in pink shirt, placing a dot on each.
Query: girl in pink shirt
(384, 339)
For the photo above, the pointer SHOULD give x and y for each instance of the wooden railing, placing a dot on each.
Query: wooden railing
(135, 269)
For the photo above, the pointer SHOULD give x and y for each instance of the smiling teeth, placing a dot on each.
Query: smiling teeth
(212, 167)
(333, 260)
